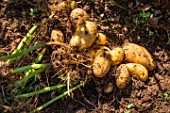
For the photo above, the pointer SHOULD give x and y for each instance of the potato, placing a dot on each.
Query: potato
(75, 40)
(101, 64)
(57, 36)
(66, 6)
(138, 70)
(89, 36)
(78, 17)
(138, 54)
(123, 78)
(116, 55)
(101, 39)
(109, 88)
(151, 64)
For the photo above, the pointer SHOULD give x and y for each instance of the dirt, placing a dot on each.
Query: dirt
(120, 22)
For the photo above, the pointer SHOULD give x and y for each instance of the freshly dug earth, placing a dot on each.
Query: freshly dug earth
(120, 21)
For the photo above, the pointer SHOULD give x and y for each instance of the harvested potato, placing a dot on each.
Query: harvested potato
(123, 78)
(89, 36)
(138, 70)
(101, 39)
(151, 64)
(84, 35)
(116, 55)
(138, 54)
(75, 40)
(78, 17)
(109, 88)
(66, 6)
(101, 64)
(57, 36)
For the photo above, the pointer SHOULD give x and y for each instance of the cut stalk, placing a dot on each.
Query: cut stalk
(56, 98)
(37, 60)
(22, 52)
(21, 44)
(18, 83)
(46, 89)
(30, 67)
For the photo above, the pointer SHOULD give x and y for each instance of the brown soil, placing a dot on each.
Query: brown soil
(118, 23)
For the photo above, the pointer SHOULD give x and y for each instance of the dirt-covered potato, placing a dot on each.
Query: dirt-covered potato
(109, 88)
(151, 64)
(101, 64)
(75, 40)
(101, 39)
(123, 76)
(84, 36)
(57, 36)
(116, 55)
(138, 70)
(90, 34)
(78, 17)
(138, 54)
(66, 6)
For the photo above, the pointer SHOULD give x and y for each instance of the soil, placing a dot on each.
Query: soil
(120, 21)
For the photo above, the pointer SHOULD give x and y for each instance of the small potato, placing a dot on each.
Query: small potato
(138, 70)
(116, 55)
(57, 36)
(78, 17)
(101, 64)
(109, 88)
(123, 78)
(101, 39)
(138, 54)
(66, 6)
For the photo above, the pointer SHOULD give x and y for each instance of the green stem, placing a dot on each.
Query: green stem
(37, 60)
(46, 89)
(30, 67)
(22, 52)
(23, 41)
(56, 98)
(29, 76)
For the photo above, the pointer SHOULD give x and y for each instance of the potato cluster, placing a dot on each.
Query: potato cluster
(133, 59)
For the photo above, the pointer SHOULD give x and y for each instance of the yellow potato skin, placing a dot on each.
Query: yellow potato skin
(78, 17)
(109, 88)
(138, 54)
(101, 39)
(101, 64)
(57, 36)
(116, 55)
(123, 76)
(75, 40)
(138, 70)
(151, 64)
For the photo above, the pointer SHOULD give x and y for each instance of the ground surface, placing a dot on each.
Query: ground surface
(121, 22)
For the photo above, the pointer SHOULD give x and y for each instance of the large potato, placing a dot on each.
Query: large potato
(123, 76)
(138, 54)
(75, 40)
(138, 70)
(78, 17)
(89, 36)
(101, 64)
(151, 64)
(116, 55)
